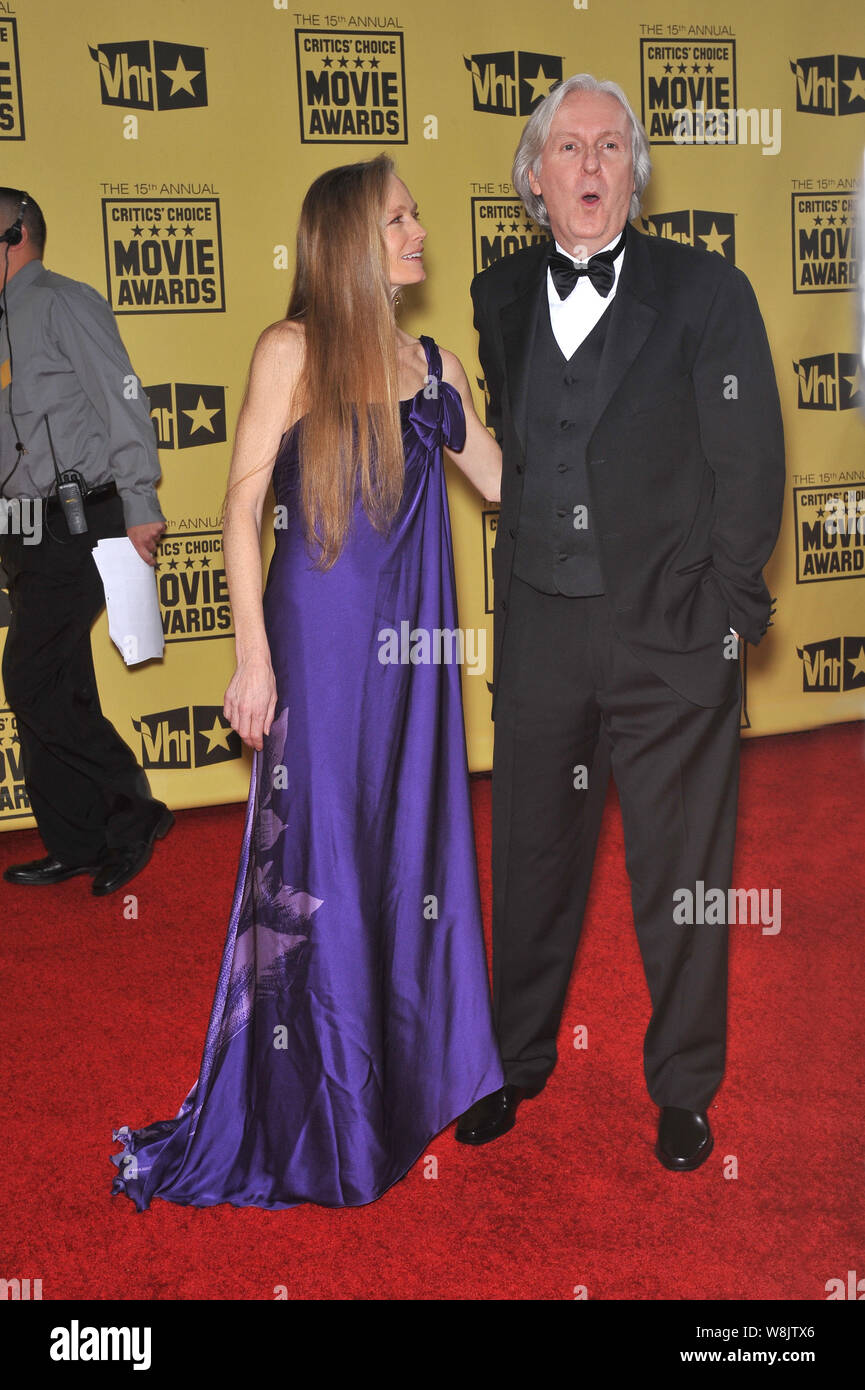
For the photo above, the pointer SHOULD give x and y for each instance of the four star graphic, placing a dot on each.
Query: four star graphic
(182, 78)
(201, 417)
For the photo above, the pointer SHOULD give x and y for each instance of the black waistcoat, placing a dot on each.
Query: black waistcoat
(553, 553)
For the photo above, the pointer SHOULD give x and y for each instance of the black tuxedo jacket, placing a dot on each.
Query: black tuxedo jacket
(685, 458)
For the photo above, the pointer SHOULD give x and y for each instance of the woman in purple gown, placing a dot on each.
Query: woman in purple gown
(351, 1021)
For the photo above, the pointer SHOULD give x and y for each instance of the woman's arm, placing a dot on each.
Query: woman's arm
(480, 457)
(250, 699)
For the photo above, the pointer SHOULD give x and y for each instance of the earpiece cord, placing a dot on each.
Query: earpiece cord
(18, 444)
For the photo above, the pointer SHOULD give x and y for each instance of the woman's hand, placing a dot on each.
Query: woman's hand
(250, 700)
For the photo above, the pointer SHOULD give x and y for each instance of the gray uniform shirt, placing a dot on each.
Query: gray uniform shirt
(69, 363)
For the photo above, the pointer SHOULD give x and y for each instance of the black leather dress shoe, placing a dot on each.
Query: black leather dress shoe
(493, 1115)
(118, 866)
(684, 1139)
(47, 870)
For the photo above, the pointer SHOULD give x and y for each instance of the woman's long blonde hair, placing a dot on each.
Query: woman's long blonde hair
(348, 391)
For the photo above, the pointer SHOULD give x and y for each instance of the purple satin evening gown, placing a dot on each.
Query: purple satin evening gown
(352, 1019)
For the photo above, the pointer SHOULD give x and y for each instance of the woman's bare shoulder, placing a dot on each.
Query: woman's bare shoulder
(452, 368)
(281, 344)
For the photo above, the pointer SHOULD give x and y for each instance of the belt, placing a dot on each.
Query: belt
(54, 507)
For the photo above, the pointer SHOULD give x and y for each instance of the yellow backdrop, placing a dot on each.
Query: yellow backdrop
(170, 147)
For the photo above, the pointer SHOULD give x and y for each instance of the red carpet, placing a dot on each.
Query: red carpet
(105, 1019)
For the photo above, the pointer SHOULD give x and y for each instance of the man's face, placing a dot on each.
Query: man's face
(586, 173)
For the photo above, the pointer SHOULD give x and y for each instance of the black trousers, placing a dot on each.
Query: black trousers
(572, 695)
(86, 788)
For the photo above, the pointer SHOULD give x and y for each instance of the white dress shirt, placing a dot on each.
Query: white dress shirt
(573, 319)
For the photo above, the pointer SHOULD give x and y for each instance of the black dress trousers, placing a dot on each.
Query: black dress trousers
(571, 695)
(86, 789)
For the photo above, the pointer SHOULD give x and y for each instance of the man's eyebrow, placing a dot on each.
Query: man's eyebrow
(569, 134)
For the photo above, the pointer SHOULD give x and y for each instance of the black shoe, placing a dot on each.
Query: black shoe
(684, 1139)
(118, 866)
(47, 870)
(493, 1115)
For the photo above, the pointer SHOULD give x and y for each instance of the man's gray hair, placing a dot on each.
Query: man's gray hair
(528, 156)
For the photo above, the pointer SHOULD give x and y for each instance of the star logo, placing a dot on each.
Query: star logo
(854, 384)
(217, 735)
(200, 418)
(857, 675)
(713, 240)
(215, 740)
(181, 78)
(200, 414)
(541, 84)
(855, 85)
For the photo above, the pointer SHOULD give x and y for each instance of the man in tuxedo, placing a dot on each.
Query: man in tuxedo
(632, 390)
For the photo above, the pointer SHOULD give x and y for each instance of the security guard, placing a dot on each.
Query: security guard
(69, 403)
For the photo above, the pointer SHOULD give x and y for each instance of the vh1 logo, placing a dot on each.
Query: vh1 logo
(834, 665)
(512, 83)
(709, 231)
(145, 76)
(829, 381)
(830, 85)
(186, 414)
(190, 736)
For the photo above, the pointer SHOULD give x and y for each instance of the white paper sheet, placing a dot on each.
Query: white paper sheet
(134, 619)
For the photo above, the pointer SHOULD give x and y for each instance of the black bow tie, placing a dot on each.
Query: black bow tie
(599, 270)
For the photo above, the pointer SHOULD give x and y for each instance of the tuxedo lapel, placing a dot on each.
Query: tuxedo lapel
(633, 314)
(519, 318)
